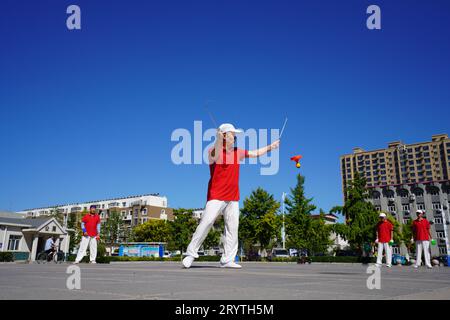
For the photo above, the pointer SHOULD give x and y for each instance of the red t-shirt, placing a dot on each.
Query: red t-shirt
(420, 230)
(224, 182)
(90, 223)
(384, 229)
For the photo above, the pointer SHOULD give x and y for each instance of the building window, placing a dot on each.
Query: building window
(442, 250)
(438, 221)
(436, 206)
(434, 192)
(420, 206)
(14, 241)
(378, 208)
(144, 211)
(391, 208)
(405, 207)
(395, 250)
(405, 220)
(124, 204)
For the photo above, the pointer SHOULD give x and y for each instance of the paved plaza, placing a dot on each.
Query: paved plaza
(205, 280)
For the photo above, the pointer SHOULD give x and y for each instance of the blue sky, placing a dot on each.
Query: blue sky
(88, 114)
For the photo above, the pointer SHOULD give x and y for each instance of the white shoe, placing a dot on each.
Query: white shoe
(93, 262)
(76, 262)
(389, 266)
(187, 261)
(231, 264)
(429, 267)
(415, 266)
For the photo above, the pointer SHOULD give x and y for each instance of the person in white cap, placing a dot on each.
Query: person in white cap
(422, 236)
(385, 234)
(223, 194)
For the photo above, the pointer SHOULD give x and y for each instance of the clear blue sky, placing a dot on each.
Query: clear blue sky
(88, 114)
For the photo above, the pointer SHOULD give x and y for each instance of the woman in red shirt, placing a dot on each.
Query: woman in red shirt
(223, 194)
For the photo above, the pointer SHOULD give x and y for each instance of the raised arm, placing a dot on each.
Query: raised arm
(218, 146)
(259, 152)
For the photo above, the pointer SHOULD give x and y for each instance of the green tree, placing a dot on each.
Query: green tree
(319, 235)
(181, 229)
(259, 221)
(298, 220)
(360, 215)
(152, 231)
(112, 227)
(74, 223)
(406, 235)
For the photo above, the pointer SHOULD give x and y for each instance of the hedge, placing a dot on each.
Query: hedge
(72, 257)
(6, 257)
(177, 259)
(343, 259)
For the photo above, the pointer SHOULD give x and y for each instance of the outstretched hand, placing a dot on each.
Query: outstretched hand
(275, 145)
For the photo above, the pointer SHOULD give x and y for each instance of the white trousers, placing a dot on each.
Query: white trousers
(213, 208)
(387, 248)
(85, 241)
(425, 246)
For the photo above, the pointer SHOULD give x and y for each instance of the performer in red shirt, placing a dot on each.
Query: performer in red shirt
(422, 236)
(90, 225)
(223, 194)
(385, 234)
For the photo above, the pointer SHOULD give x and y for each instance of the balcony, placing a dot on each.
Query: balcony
(127, 217)
(114, 205)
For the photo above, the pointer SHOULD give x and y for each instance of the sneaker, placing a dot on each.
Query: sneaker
(93, 262)
(429, 267)
(76, 262)
(415, 266)
(389, 266)
(187, 261)
(231, 264)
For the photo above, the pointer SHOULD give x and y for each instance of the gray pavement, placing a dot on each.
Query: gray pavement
(167, 280)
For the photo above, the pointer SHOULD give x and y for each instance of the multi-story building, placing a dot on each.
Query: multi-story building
(404, 178)
(133, 210)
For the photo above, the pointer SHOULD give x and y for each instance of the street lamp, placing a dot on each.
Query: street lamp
(283, 233)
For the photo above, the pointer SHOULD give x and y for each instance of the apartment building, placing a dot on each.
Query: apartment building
(133, 210)
(403, 178)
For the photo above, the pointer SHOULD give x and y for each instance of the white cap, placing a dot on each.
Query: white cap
(228, 127)
(420, 211)
(382, 215)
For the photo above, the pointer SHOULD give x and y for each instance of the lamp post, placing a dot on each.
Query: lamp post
(283, 233)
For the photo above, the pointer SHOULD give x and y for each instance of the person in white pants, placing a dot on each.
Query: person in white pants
(422, 235)
(223, 194)
(90, 225)
(230, 211)
(385, 234)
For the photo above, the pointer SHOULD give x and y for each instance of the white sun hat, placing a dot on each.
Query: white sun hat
(382, 215)
(420, 211)
(228, 127)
